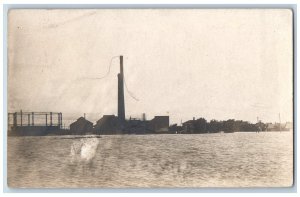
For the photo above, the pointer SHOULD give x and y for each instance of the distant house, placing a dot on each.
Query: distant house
(159, 124)
(81, 126)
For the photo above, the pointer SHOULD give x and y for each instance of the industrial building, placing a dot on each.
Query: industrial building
(111, 124)
(108, 125)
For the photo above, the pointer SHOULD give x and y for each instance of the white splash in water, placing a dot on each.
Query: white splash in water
(84, 150)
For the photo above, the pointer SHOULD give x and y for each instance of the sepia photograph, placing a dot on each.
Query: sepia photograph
(150, 98)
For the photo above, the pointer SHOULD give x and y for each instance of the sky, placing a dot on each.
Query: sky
(185, 63)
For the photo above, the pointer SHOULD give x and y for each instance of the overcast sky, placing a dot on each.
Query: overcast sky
(217, 64)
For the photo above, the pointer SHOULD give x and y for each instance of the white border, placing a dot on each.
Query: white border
(205, 4)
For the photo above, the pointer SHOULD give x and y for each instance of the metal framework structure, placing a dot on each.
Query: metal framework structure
(35, 119)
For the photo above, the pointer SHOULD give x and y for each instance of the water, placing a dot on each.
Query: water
(205, 160)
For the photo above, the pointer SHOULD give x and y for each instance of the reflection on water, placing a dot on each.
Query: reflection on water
(208, 160)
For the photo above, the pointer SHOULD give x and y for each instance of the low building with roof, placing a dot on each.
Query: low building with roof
(81, 126)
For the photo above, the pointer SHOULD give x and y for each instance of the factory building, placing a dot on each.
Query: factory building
(108, 125)
(135, 126)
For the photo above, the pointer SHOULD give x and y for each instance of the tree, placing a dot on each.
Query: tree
(200, 125)
(214, 126)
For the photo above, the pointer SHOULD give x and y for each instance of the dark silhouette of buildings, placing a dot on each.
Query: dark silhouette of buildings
(110, 125)
(26, 123)
(159, 124)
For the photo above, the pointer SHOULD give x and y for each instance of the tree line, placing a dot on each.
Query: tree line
(201, 125)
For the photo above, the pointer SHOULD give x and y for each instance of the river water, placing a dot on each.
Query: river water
(140, 161)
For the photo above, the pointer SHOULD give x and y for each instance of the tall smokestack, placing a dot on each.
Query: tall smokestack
(121, 102)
